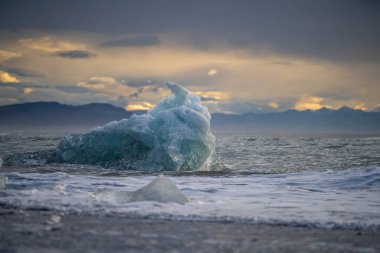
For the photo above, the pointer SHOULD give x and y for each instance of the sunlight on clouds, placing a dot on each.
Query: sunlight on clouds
(28, 90)
(140, 106)
(212, 97)
(108, 88)
(310, 103)
(361, 106)
(97, 83)
(91, 86)
(273, 105)
(7, 55)
(212, 72)
(220, 76)
(5, 77)
(51, 45)
(159, 62)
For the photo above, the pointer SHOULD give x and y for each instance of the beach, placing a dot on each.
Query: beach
(52, 231)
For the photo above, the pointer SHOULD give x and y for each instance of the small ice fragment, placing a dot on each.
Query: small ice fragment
(1, 162)
(54, 219)
(3, 182)
(161, 189)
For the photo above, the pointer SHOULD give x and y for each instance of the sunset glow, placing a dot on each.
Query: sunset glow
(127, 64)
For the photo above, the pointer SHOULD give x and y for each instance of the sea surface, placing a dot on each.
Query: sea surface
(317, 181)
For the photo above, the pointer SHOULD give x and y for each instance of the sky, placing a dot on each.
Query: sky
(239, 56)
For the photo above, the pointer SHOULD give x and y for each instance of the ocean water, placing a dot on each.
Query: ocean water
(326, 181)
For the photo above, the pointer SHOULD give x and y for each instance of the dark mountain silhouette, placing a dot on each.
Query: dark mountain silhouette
(53, 116)
(343, 120)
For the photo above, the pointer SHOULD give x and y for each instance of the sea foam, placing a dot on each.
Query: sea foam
(175, 135)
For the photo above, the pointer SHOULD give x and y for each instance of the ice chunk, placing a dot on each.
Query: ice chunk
(174, 135)
(3, 182)
(161, 189)
(1, 162)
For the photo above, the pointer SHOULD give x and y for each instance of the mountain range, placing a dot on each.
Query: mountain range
(53, 116)
(46, 116)
(343, 120)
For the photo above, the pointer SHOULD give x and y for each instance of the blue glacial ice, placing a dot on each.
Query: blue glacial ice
(173, 136)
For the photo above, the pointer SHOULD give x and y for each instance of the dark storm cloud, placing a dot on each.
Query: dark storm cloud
(135, 41)
(75, 54)
(332, 29)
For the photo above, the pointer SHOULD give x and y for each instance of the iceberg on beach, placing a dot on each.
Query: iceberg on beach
(173, 136)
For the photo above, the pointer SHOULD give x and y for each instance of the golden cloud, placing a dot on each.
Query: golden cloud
(212, 72)
(140, 106)
(361, 106)
(5, 77)
(28, 90)
(273, 105)
(98, 82)
(51, 45)
(7, 55)
(212, 97)
(310, 103)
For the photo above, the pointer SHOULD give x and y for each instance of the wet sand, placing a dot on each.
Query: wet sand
(50, 231)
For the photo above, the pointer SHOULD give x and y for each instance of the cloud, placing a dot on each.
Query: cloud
(310, 103)
(7, 55)
(241, 106)
(137, 93)
(211, 97)
(98, 82)
(140, 106)
(212, 72)
(24, 72)
(141, 83)
(51, 45)
(75, 54)
(5, 77)
(133, 41)
(74, 89)
(146, 89)
(21, 85)
(28, 90)
(361, 106)
(7, 95)
(256, 79)
(273, 105)
(285, 63)
(24, 92)
(59, 48)
(104, 86)
(345, 30)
